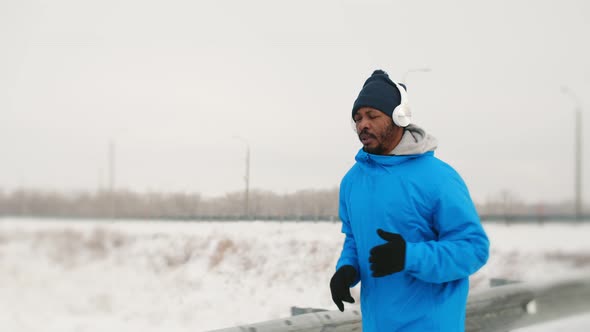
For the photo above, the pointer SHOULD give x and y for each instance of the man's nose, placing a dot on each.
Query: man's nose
(361, 125)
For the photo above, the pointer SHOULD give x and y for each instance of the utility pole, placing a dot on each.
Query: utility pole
(100, 187)
(577, 153)
(246, 178)
(111, 167)
(578, 169)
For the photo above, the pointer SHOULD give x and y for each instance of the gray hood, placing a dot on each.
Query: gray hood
(415, 141)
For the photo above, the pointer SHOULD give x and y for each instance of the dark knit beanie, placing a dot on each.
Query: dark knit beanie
(378, 92)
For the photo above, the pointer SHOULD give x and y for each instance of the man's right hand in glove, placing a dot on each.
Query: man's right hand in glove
(340, 285)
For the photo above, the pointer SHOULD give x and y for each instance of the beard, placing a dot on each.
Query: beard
(384, 140)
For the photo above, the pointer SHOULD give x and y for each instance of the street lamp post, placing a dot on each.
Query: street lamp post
(414, 70)
(246, 178)
(577, 151)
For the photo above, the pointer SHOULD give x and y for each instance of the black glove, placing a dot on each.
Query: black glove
(340, 285)
(390, 257)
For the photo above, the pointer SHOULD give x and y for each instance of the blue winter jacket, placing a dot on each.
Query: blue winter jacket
(426, 201)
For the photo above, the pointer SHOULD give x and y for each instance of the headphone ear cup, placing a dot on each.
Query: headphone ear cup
(402, 116)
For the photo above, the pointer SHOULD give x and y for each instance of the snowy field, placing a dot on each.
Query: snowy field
(58, 275)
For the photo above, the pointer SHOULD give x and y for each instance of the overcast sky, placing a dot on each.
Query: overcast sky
(172, 82)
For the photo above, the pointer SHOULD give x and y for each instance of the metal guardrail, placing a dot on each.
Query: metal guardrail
(501, 308)
(518, 305)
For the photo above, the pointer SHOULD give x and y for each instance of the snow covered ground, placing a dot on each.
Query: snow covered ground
(60, 275)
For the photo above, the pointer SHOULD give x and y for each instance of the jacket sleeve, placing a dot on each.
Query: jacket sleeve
(348, 255)
(462, 246)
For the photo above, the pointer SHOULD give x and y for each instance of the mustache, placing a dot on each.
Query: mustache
(366, 133)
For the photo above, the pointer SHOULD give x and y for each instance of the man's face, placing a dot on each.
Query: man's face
(376, 130)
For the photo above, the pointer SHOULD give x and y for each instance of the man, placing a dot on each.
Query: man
(412, 234)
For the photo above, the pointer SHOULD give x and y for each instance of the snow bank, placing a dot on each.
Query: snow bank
(59, 275)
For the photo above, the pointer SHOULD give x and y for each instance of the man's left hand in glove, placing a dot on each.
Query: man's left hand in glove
(390, 257)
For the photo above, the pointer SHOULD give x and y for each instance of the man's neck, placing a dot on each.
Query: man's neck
(396, 139)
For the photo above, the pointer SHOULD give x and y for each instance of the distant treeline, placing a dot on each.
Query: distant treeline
(260, 205)
(300, 205)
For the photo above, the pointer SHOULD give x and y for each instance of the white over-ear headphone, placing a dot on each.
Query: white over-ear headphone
(402, 115)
